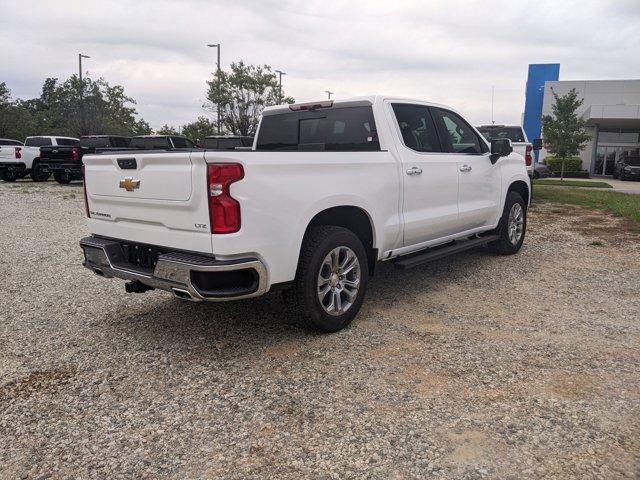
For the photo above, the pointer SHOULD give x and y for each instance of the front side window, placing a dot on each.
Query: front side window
(417, 127)
(37, 142)
(346, 129)
(457, 136)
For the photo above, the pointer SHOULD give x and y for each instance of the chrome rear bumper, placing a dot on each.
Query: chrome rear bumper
(186, 275)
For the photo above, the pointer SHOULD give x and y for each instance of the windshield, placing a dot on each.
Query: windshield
(493, 133)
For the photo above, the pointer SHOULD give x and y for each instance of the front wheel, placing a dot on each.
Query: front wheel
(331, 280)
(512, 226)
(62, 177)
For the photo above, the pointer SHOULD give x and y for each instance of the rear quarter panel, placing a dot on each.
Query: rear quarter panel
(281, 192)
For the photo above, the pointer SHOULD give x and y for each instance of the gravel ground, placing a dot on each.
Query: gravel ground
(475, 366)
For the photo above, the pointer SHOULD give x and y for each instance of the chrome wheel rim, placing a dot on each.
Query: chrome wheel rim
(338, 280)
(515, 226)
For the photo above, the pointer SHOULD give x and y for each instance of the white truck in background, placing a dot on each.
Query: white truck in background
(518, 138)
(330, 189)
(18, 161)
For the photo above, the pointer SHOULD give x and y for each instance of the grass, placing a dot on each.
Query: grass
(572, 183)
(620, 204)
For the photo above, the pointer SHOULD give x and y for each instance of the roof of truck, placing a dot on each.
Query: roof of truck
(354, 102)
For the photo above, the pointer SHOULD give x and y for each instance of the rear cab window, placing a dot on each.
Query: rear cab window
(67, 141)
(335, 129)
(37, 142)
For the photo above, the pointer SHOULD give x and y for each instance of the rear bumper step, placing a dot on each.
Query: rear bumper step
(52, 167)
(435, 253)
(188, 276)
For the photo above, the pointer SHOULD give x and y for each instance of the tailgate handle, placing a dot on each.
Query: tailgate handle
(127, 163)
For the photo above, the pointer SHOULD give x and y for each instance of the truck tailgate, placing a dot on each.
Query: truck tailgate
(150, 198)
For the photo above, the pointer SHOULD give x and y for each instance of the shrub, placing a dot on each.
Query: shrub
(572, 166)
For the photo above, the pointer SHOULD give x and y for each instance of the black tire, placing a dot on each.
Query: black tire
(8, 176)
(304, 296)
(504, 245)
(62, 177)
(36, 173)
(615, 175)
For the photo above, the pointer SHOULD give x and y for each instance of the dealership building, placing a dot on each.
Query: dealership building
(611, 109)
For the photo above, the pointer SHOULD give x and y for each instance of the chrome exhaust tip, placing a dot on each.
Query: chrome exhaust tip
(183, 295)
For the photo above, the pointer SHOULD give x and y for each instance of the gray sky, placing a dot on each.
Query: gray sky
(449, 51)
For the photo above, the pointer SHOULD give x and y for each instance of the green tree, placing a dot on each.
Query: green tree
(74, 108)
(199, 129)
(564, 133)
(241, 95)
(167, 130)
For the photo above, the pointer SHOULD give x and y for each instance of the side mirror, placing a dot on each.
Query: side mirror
(500, 147)
(537, 144)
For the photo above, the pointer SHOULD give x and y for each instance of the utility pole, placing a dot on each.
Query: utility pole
(82, 122)
(217, 45)
(80, 57)
(493, 90)
(328, 94)
(280, 74)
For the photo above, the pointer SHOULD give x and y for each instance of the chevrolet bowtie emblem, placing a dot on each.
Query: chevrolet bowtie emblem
(129, 184)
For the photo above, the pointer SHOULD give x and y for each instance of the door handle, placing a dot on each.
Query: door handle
(414, 171)
(465, 168)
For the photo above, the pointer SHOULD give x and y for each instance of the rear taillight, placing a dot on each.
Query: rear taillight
(18, 152)
(527, 155)
(75, 154)
(224, 210)
(84, 187)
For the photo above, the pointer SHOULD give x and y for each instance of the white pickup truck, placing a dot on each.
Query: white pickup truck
(19, 161)
(330, 189)
(519, 141)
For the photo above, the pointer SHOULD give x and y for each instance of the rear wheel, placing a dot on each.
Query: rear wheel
(331, 280)
(9, 176)
(62, 177)
(37, 174)
(512, 226)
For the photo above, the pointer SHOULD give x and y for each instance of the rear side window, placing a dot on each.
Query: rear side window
(247, 141)
(417, 127)
(514, 134)
(66, 141)
(347, 129)
(37, 142)
(10, 142)
(456, 135)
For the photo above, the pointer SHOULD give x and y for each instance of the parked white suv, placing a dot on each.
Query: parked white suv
(518, 138)
(19, 161)
(330, 189)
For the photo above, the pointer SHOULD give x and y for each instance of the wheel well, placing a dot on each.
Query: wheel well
(354, 219)
(521, 188)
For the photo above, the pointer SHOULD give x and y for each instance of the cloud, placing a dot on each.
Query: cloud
(450, 52)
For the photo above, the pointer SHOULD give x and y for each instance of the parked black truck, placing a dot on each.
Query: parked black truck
(65, 162)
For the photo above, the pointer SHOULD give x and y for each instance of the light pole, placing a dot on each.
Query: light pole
(217, 45)
(280, 74)
(80, 57)
(328, 94)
